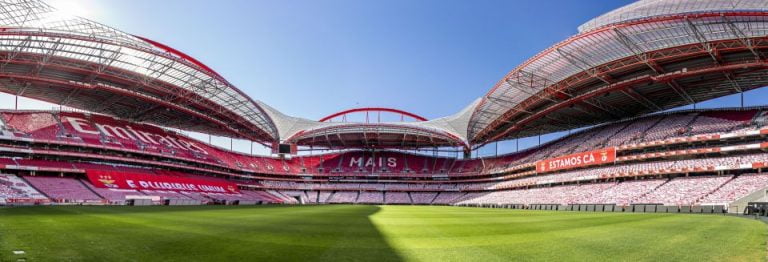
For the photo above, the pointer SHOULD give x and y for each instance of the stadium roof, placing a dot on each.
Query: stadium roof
(645, 57)
(51, 56)
(445, 131)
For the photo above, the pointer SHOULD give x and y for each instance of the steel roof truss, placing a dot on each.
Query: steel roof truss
(631, 93)
(18, 49)
(702, 40)
(742, 37)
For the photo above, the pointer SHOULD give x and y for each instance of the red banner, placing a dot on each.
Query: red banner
(589, 158)
(124, 180)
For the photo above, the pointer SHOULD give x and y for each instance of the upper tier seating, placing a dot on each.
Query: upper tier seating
(98, 130)
(670, 126)
(602, 134)
(718, 122)
(634, 131)
(42, 125)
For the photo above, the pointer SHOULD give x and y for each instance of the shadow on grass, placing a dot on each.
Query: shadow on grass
(245, 233)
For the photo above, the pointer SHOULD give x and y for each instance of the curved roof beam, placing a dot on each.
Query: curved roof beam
(34, 29)
(373, 109)
(635, 33)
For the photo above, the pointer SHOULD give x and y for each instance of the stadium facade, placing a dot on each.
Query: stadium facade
(617, 77)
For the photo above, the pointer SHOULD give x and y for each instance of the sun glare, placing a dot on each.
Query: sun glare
(72, 7)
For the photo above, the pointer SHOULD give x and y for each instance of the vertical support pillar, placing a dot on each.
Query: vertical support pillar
(742, 99)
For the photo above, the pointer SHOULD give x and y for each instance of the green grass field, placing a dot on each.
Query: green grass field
(370, 233)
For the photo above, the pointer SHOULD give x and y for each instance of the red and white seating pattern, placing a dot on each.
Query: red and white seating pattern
(197, 196)
(53, 126)
(166, 195)
(737, 188)
(42, 125)
(670, 126)
(370, 197)
(13, 187)
(548, 195)
(312, 197)
(623, 193)
(604, 132)
(261, 196)
(423, 197)
(343, 197)
(113, 195)
(397, 198)
(447, 197)
(61, 189)
(324, 196)
(718, 122)
(684, 190)
(704, 190)
(632, 132)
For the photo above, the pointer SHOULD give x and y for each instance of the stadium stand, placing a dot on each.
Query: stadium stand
(62, 189)
(114, 196)
(396, 198)
(445, 198)
(623, 193)
(736, 189)
(370, 198)
(13, 188)
(343, 197)
(423, 198)
(642, 145)
(650, 156)
(684, 190)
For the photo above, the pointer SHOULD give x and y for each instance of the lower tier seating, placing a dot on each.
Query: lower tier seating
(343, 197)
(736, 189)
(370, 197)
(13, 187)
(397, 198)
(423, 198)
(113, 195)
(684, 191)
(63, 189)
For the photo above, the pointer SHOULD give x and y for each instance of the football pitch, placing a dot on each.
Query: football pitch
(370, 233)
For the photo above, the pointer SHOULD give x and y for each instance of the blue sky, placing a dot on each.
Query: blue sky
(314, 58)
